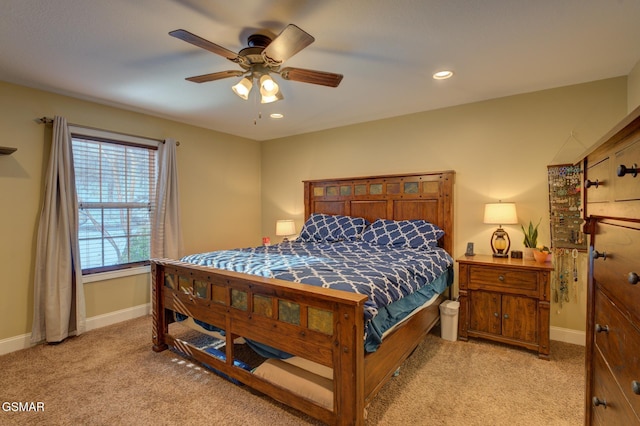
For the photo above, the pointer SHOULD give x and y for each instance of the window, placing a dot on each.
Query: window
(115, 183)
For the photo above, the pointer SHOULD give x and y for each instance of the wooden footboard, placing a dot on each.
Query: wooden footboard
(321, 325)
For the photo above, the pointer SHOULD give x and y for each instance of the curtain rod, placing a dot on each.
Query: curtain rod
(47, 121)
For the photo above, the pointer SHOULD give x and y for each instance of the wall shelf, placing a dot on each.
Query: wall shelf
(4, 150)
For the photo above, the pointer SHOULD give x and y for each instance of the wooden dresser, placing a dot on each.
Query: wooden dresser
(506, 300)
(612, 213)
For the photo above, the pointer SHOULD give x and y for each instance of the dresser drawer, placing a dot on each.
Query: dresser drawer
(606, 391)
(598, 181)
(627, 187)
(505, 280)
(619, 343)
(618, 262)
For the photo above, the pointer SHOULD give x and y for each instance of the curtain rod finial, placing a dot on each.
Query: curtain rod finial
(44, 120)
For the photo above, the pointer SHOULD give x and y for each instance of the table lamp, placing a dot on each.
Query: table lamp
(285, 228)
(500, 214)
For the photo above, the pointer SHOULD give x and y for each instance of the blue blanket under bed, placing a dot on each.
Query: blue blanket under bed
(395, 280)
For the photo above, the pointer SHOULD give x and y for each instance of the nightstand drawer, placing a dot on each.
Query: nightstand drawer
(506, 280)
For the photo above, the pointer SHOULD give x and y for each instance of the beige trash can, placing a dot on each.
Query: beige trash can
(449, 320)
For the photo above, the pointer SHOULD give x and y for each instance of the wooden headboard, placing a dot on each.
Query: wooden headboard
(427, 196)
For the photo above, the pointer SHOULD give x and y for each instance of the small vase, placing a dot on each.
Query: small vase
(528, 253)
(540, 256)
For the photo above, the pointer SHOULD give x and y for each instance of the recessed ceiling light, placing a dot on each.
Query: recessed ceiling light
(276, 115)
(443, 75)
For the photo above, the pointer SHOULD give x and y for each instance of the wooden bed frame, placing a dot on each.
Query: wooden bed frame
(329, 327)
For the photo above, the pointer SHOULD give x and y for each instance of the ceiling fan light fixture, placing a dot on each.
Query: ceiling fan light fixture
(243, 88)
(267, 99)
(268, 87)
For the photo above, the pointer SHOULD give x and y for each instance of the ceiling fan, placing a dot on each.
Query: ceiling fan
(263, 56)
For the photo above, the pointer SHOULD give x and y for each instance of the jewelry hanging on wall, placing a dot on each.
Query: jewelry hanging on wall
(561, 289)
(574, 286)
(556, 271)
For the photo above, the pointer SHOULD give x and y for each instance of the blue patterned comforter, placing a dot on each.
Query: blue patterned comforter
(384, 274)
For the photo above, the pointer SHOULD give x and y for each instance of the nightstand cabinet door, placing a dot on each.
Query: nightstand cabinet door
(485, 312)
(520, 318)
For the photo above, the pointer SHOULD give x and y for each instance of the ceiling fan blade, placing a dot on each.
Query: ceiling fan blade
(311, 76)
(185, 35)
(289, 42)
(215, 76)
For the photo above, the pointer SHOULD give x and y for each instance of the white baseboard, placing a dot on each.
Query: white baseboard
(118, 316)
(23, 341)
(567, 335)
(16, 343)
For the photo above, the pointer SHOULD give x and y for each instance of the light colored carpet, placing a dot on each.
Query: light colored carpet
(110, 376)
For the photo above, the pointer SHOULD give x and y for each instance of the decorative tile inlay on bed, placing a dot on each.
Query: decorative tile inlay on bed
(431, 187)
(263, 305)
(360, 189)
(320, 320)
(318, 191)
(332, 191)
(345, 190)
(169, 281)
(289, 312)
(411, 187)
(184, 284)
(239, 299)
(375, 188)
(201, 289)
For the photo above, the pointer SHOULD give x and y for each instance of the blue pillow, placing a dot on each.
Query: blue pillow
(330, 228)
(418, 234)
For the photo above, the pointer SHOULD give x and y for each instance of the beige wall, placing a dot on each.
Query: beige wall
(219, 173)
(633, 88)
(498, 148)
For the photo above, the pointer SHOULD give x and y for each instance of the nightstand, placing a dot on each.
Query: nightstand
(505, 300)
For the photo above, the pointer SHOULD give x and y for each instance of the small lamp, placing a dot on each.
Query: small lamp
(500, 214)
(285, 228)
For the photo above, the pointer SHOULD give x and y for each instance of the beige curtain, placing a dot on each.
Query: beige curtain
(59, 309)
(166, 234)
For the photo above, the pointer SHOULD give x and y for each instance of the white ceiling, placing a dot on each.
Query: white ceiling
(118, 52)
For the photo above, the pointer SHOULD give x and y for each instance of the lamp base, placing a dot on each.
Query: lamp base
(500, 243)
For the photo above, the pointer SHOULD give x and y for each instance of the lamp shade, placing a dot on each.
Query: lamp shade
(271, 98)
(500, 213)
(268, 87)
(285, 227)
(243, 88)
